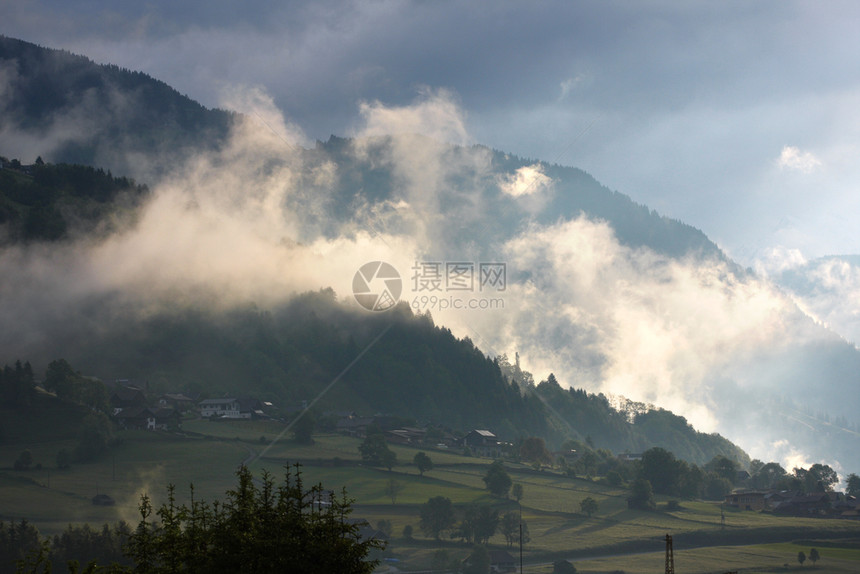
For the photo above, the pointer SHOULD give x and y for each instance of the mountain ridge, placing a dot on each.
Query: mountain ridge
(454, 203)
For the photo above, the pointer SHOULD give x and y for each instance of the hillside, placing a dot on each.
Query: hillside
(48, 202)
(369, 176)
(68, 109)
(550, 506)
(415, 371)
(607, 294)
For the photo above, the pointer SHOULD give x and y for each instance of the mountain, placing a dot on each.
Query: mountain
(409, 369)
(48, 202)
(67, 109)
(607, 294)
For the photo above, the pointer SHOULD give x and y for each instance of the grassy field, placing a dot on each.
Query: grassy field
(615, 539)
(750, 559)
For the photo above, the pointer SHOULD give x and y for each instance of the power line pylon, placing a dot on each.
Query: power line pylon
(670, 556)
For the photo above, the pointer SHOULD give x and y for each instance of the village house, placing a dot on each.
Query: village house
(501, 561)
(353, 425)
(148, 418)
(483, 443)
(176, 401)
(810, 504)
(225, 408)
(126, 396)
(747, 500)
(405, 435)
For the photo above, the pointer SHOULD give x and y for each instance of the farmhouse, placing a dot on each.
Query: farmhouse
(226, 408)
(176, 401)
(148, 418)
(127, 396)
(483, 443)
(747, 499)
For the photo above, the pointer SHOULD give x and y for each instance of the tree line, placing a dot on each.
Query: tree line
(53, 198)
(660, 472)
(261, 526)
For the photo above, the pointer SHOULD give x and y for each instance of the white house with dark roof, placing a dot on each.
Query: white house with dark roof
(227, 408)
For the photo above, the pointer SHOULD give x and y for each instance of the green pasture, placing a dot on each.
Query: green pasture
(615, 539)
(752, 559)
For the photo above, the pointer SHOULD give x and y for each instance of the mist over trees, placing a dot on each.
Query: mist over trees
(119, 113)
(53, 202)
(287, 363)
(289, 354)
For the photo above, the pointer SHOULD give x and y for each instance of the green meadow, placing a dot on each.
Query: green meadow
(615, 539)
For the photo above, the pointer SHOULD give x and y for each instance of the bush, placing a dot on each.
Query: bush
(64, 459)
(24, 461)
(613, 478)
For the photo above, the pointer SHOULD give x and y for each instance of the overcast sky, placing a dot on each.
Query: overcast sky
(740, 118)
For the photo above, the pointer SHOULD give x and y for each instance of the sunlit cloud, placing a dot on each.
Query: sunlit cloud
(527, 180)
(777, 259)
(793, 159)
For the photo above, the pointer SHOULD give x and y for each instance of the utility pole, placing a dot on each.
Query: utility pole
(521, 536)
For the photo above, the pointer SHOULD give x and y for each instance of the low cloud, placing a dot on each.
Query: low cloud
(527, 180)
(793, 159)
(829, 290)
(254, 222)
(776, 260)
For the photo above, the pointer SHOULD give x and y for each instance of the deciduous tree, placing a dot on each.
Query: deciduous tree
(497, 480)
(534, 450)
(437, 516)
(423, 462)
(814, 556)
(375, 451)
(392, 489)
(853, 485)
(588, 506)
(641, 495)
(517, 491)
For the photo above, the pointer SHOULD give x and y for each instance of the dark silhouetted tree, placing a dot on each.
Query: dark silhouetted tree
(479, 523)
(437, 516)
(392, 489)
(423, 462)
(93, 437)
(497, 480)
(534, 450)
(588, 506)
(24, 460)
(814, 556)
(517, 491)
(641, 495)
(267, 528)
(853, 485)
(724, 467)
(303, 429)
(375, 451)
